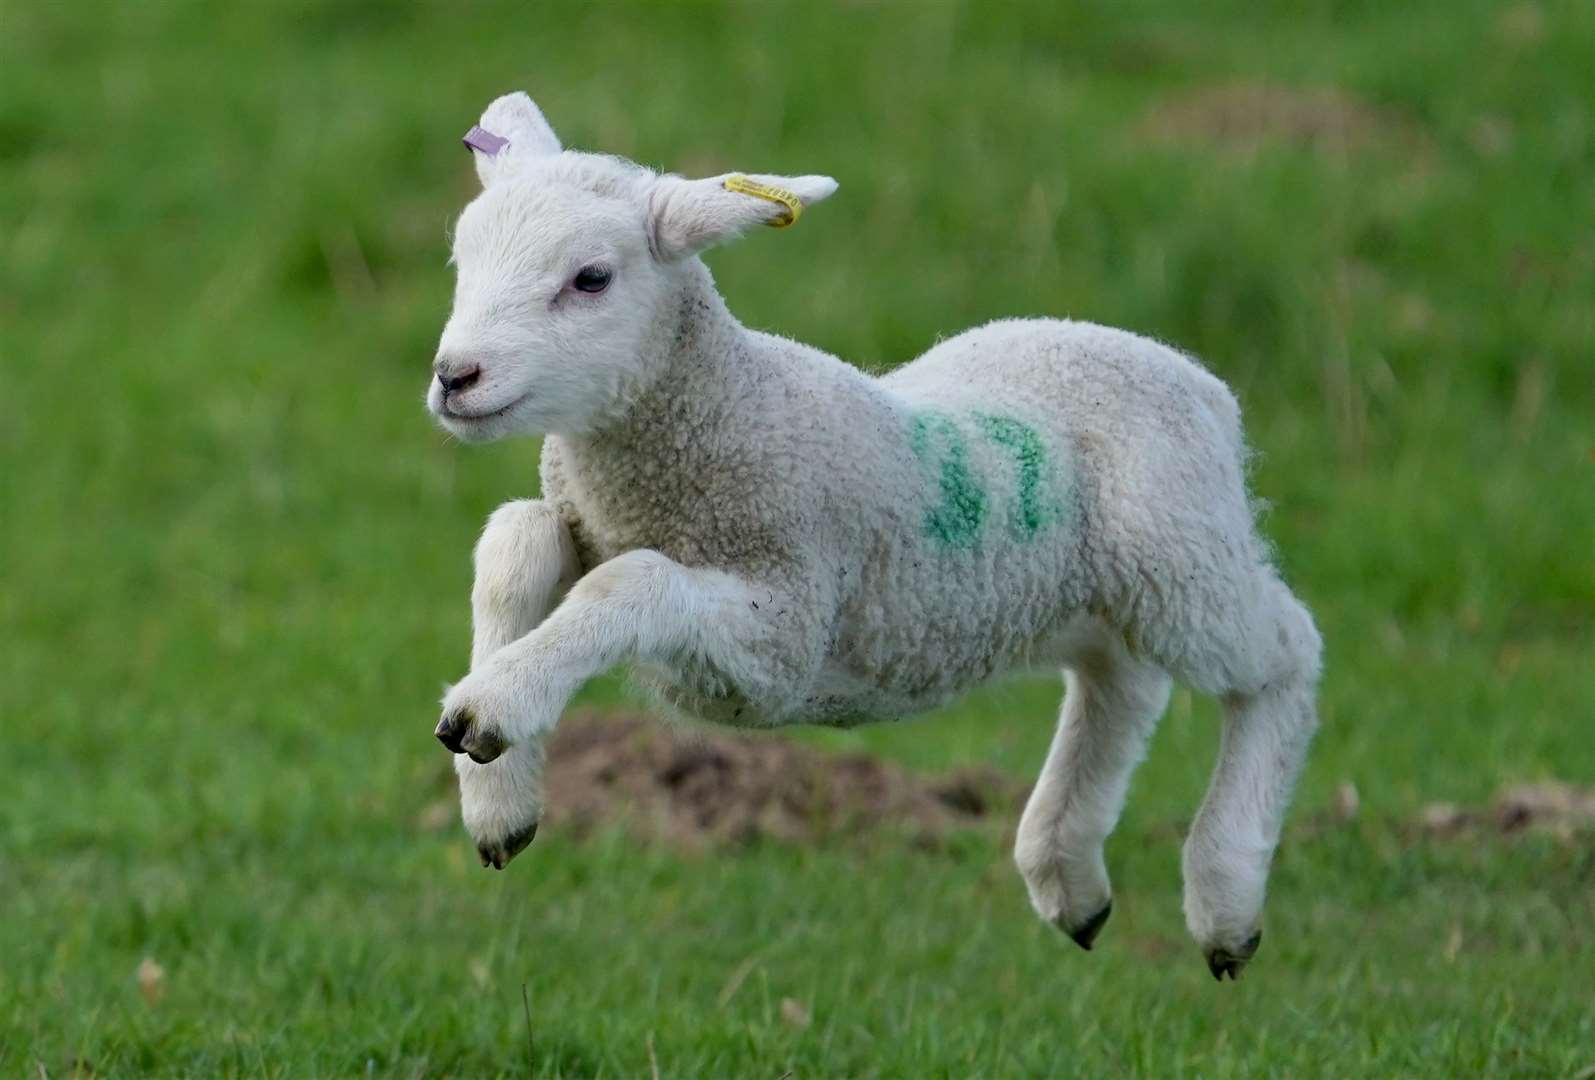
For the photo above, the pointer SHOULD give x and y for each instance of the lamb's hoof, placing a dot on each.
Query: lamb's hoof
(1086, 934)
(1232, 962)
(498, 855)
(451, 731)
(462, 735)
(482, 746)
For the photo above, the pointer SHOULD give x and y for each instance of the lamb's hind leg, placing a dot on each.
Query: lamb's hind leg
(1111, 705)
(525, 561)
(1267, 684)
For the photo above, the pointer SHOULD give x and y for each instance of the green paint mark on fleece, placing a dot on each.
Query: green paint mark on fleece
(957, 518)
(1030, 454)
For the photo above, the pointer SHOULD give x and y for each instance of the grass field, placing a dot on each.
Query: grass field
(235, 550)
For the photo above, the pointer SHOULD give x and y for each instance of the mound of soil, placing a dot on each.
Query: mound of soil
(701, 787)
(1244, 116)
(705, 787)
(1551, 806)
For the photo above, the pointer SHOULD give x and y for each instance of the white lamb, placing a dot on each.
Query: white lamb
(772, 537)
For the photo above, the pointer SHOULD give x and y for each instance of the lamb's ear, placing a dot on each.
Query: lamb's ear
(686, 216)
(512, 131)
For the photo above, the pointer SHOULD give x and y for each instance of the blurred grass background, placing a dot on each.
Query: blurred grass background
(235, 550)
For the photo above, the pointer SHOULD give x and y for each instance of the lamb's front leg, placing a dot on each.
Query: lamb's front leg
(640, 606)
(525, 561)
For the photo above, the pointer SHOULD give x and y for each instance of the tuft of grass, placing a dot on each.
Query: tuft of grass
(236, 554)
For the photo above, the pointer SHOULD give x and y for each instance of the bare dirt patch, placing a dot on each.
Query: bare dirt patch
(699, 787)
(1244, 117)
(695, 787)
(1550, 806)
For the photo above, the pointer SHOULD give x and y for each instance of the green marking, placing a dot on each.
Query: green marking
(956, 520)
(1030, 454)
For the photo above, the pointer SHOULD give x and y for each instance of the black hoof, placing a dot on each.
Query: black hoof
(1222, 962)
(498, 856)
(517, 843)
(483, 747)
(1086, 934)
(451, 731)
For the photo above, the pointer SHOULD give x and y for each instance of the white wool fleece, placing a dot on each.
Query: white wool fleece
(770, 536)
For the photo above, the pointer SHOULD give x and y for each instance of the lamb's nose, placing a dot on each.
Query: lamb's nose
(453, 378)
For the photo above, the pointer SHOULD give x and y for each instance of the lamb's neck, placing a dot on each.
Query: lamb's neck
(703, 362)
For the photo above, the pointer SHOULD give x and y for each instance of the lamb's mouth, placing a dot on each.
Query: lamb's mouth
(477, 418)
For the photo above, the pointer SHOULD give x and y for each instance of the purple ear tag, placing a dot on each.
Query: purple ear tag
(479, 138)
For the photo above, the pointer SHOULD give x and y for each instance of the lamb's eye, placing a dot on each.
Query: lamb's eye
(592, 279)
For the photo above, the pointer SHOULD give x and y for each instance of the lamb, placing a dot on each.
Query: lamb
(768, 536)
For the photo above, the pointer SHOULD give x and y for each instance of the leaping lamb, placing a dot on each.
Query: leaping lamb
(771, 537)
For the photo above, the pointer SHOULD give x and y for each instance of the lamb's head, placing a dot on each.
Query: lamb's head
(569, 270)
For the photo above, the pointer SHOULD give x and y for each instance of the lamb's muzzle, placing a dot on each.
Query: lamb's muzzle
(454, 375)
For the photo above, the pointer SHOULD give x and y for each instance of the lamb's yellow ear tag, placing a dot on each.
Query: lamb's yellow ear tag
(748, 186)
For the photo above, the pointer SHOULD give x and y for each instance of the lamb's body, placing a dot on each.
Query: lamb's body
(789, 467)
(769, 536)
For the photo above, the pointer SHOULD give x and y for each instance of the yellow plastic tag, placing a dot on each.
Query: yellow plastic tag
(748, 186)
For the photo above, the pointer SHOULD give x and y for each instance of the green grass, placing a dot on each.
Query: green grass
(235, 551)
